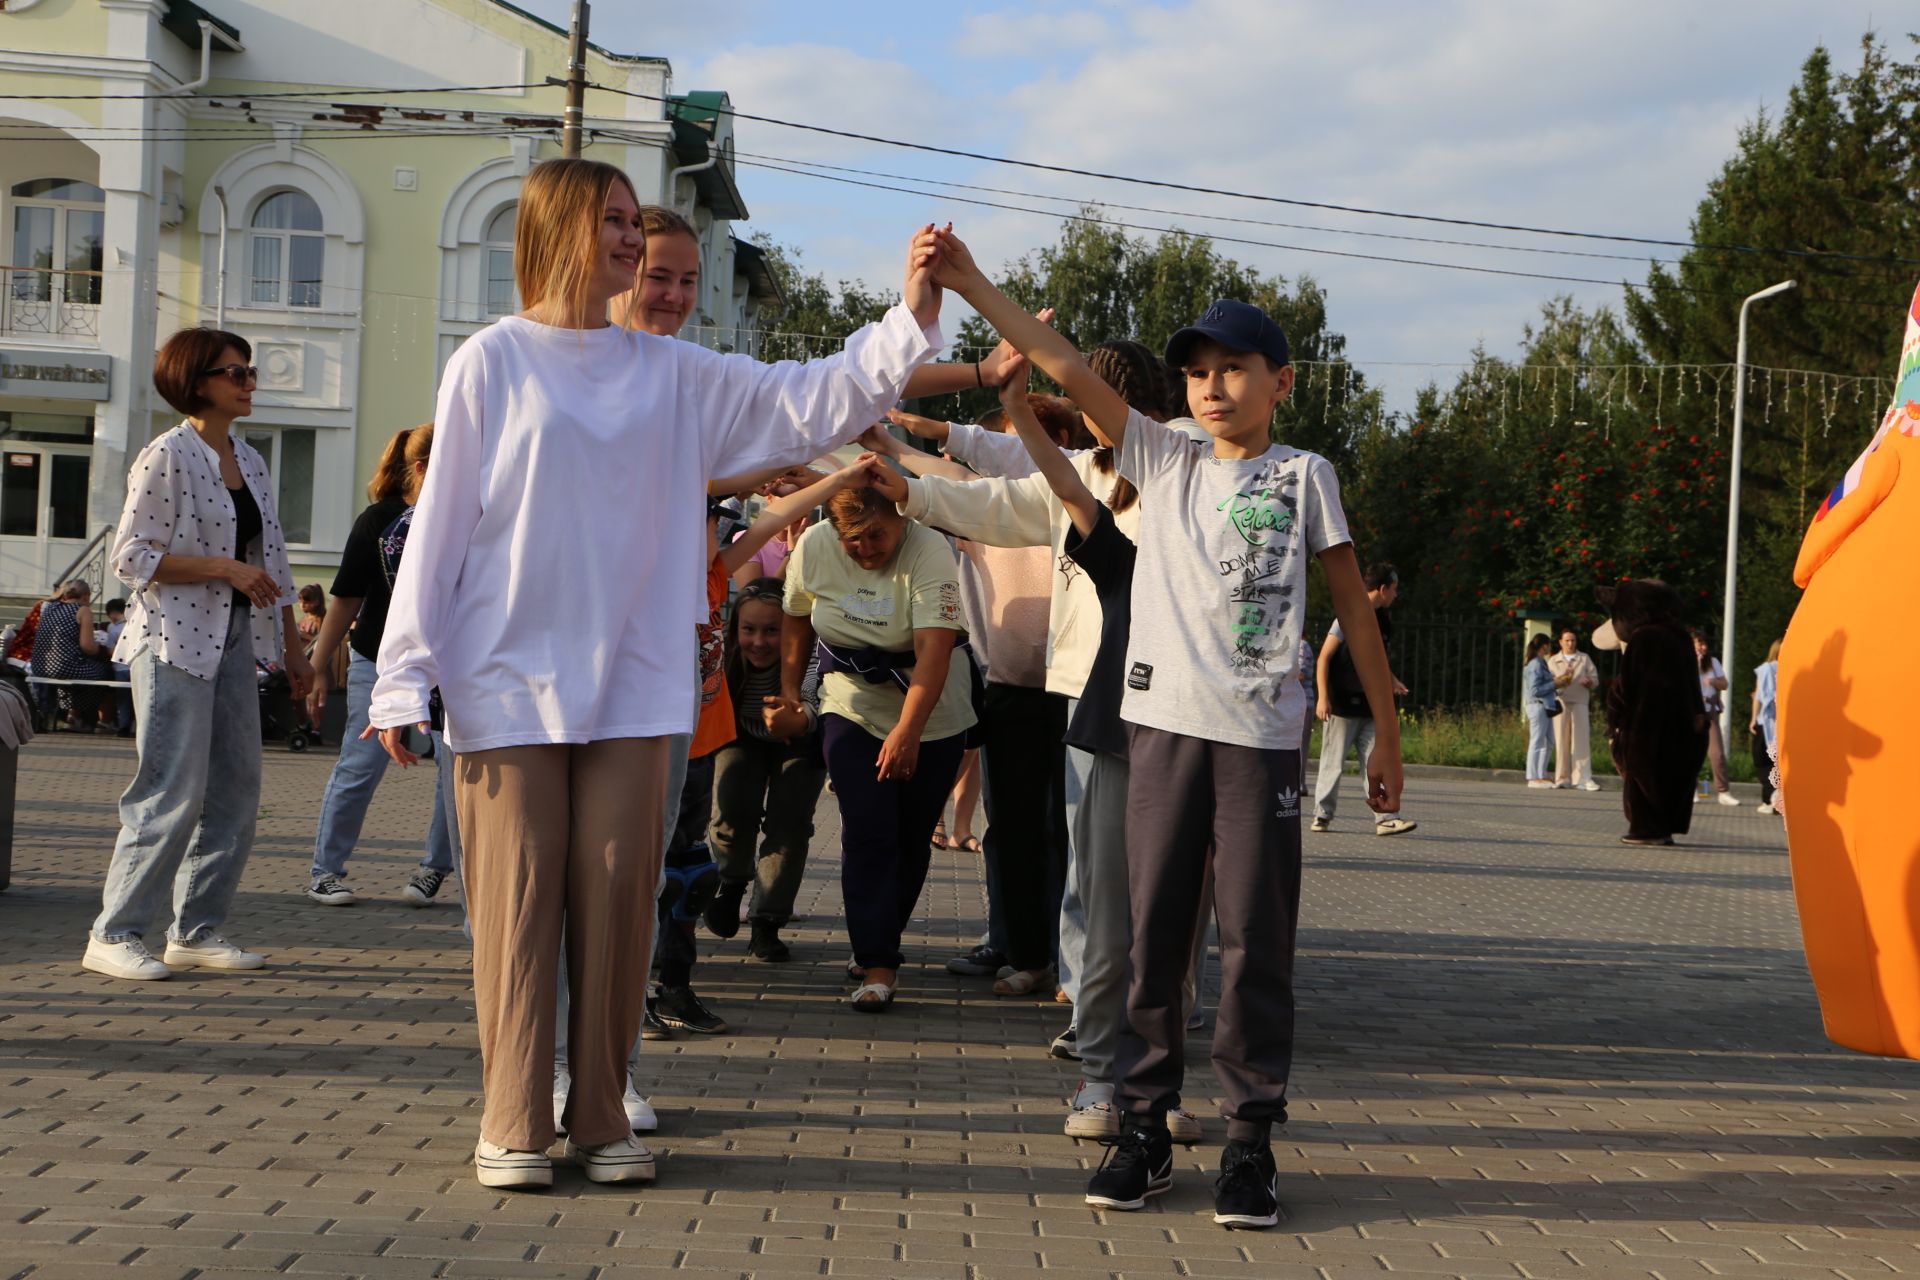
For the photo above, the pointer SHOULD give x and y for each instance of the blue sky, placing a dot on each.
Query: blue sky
(1607, 118)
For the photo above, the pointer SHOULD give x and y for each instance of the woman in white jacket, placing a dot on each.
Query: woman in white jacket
(550, 587)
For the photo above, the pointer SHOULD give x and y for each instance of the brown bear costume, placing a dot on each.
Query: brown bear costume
(1656, 721)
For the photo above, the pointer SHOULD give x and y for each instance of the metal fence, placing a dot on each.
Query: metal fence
(1450, 663)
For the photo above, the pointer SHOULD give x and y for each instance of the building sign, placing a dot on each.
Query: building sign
(54, 375)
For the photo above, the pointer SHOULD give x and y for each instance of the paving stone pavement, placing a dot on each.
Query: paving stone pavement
(1525, 1050)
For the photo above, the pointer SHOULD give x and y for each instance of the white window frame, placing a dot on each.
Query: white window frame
(282, 240)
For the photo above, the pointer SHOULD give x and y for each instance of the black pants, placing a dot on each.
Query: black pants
(885, 828)
(1187, 792)
(688, 848)
(1763, 765)
(764, 795)
(1025, 775)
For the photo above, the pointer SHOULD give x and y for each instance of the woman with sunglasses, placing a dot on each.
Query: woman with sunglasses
(200, 544)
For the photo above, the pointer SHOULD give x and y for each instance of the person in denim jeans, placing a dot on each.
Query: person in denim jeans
(1542, 703)
(361, 593)
(199, 542)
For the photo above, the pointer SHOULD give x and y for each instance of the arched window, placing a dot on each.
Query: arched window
(288, 251)
(499, 260)
(59, 227)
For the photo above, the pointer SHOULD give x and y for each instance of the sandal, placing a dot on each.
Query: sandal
(966, 844)
(855, 973)
(939, 837)
(874, 997)
(1022, 982)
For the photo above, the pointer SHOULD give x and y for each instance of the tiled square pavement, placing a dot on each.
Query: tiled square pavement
(1524, 1051)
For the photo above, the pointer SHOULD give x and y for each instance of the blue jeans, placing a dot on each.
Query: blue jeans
(187, 818)
(122, 698)
(1539, 742)
(362, 763)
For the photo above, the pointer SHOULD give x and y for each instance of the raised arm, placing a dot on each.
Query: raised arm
(1000, 513)
(1362, 634)
(783, 511)
(921, 463)
(946, 379)
(955, 268)
(1082, 507)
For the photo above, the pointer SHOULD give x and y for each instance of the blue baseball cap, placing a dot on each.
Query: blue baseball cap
(1237, 326)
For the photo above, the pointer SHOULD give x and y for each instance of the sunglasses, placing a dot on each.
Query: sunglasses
(238, 374)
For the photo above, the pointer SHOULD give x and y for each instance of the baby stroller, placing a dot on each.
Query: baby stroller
(279, 716)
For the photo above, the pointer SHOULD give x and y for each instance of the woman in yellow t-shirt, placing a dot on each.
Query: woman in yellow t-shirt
(878, 597)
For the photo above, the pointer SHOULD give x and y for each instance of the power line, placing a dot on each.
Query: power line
(164, 95)
(1169, 185)
(1271, 244)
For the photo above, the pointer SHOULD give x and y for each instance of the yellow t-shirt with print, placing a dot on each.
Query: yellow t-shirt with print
(853, 608)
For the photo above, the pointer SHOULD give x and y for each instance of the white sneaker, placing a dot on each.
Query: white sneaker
(1540, 784)
(1766, 808)
(1589, 785)
(211, 952)
(622, 1160)
(127, 958)
(1091, 1113)
(496, 1166)
(1183, 1125)
(640, 1115)
(562, 1085)
(1563, 786)
(1393, 827)
(1726, 798)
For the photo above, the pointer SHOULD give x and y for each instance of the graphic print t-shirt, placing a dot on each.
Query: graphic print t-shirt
(1220, 586)
(714, 729)
(854, 608)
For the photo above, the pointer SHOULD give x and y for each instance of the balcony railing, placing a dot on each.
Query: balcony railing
(37, 302)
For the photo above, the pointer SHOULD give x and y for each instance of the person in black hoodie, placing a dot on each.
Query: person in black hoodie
(1656, 722)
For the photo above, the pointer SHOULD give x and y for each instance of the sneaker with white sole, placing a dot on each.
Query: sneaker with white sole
(127, 958)
(495, 1166)
(422, 885)
(1090, 1112)
(640, 1114)
(622, 1160)
(1183, 1125)
(1066, 1045)
(211, 952)
(1727, 798)
(331, 891)
(1393, 827)
(1320, 824)
(562, 1085)
(1589, 785)
(1766, 808)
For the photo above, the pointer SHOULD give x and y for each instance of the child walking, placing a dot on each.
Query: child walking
(1213, 707)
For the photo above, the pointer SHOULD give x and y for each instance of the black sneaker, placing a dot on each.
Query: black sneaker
(723, 913)
(422, 885)
(651, 1028)
(1138, 1164)
(680, 1007)
(1247, 1193)
(766, 945)
(1066, 1045)
(981, 962)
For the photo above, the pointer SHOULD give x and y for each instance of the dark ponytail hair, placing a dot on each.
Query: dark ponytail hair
(1146, 383)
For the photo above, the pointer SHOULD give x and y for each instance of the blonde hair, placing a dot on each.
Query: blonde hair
(852, 510)
(419, 449)
(658, 220)
(390, 473)
(557, 239)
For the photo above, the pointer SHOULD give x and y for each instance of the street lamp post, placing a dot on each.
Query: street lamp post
(1733, 508)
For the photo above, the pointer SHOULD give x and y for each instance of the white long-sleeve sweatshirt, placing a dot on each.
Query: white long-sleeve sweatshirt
(1015, 507)
(553, 574)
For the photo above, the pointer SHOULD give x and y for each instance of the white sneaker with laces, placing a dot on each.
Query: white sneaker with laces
(640, 1113)
(1766, 808)
(622, 1160)
(1589, 785)
(1393, 827)
(562, 1085)
(127, 958)
(1090, 1112)
(495, 1166)
(1183, 1125)
(1726, 798)
(211, 952)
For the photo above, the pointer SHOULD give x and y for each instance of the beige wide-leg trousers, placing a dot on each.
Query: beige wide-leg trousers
(559, 834)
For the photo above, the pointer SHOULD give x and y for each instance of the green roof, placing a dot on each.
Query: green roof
(695, 118)
(183, 23)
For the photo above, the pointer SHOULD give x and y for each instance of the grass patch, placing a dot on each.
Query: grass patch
(1496, 738)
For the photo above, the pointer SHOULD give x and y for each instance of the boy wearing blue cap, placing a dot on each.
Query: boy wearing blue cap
(1214, 712)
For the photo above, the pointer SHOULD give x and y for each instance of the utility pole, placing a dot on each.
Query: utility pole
(576, 81)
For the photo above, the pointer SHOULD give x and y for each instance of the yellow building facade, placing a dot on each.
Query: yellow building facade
(336, 182)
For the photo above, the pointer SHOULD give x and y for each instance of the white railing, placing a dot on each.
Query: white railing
(37, 302)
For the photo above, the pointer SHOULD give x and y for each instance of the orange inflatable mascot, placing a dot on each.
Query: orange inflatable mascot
(1849, 737)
